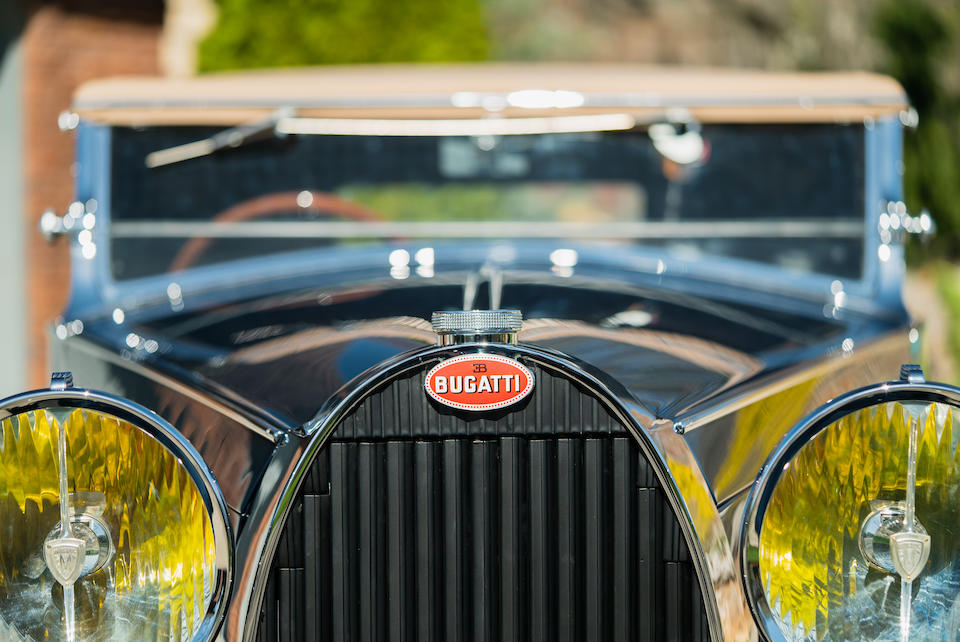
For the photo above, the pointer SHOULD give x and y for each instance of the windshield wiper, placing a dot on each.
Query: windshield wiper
(227, 139)
(282, 123)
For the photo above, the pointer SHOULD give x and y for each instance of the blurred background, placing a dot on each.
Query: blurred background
(47, 49)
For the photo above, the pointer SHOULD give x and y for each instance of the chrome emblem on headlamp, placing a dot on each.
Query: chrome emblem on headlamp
(910, 551)
(64, 558)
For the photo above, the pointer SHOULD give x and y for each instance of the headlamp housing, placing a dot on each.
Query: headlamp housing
(128, 540)
(852, 529)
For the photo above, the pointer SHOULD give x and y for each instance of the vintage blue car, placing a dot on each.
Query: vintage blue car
(495, 352)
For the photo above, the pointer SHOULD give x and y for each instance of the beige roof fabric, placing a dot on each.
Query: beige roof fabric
(463, 91)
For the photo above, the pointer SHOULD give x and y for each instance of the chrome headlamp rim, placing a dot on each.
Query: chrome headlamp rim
(171, 439)
(798, 437)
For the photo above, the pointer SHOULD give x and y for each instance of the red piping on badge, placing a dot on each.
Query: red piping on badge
(479, 382)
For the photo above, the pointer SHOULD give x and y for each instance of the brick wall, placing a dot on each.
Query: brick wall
(65, 44)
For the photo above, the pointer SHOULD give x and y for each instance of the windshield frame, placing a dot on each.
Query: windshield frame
(93, 284)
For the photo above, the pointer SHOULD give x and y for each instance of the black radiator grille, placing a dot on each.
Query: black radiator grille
(524, 537)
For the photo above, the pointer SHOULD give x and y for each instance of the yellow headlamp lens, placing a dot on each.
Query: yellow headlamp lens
(149, 553)
(825, 542)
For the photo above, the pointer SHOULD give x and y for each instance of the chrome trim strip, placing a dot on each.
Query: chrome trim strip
(723, 406)
(811, 228)
(172, 440)
(799, 436)
(190, 392)
(676, 468)
(456, 127)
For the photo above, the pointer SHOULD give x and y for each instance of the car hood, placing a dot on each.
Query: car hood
(288, 354)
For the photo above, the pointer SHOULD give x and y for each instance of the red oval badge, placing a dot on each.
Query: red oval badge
(479, 382)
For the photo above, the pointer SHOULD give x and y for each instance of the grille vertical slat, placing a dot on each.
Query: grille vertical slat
(511, 528)
(290, 599)
(483, 535)
(369, 542)
(540, 543)
(648, 512)
(400, 587)
(621, 491)
(340, 537)
(595, 533)
(568, 466)
(428, 515)
(314, 565)
(453, 540)
(674, 595)
(451, 529)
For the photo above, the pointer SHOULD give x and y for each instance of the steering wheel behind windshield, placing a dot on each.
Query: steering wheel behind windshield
(274, 205)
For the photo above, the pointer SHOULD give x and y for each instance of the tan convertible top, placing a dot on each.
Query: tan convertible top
(465, 91)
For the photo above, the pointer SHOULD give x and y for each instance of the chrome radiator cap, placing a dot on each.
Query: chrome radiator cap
(477, 326)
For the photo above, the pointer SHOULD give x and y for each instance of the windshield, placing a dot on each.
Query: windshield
(788, 195)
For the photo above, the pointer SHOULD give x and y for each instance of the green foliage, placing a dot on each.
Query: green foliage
(287, 33)
(915, 35)
(485, 202)
(932, 181)
(918, 40)
(948, 283)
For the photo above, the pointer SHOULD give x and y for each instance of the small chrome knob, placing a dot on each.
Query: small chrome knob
(477, 326)
(75, 220)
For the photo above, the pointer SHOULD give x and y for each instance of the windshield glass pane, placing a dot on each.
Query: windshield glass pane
(788, 195)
